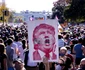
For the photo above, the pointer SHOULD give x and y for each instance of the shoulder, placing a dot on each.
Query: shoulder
(83, 47)
(76, 45)
(14, 44)
(12, 48)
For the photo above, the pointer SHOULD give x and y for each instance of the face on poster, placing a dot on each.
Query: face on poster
(43, 40)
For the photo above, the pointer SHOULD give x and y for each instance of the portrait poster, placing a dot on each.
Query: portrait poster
(43, 40)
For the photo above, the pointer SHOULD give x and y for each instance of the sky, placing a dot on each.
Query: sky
(31, 5)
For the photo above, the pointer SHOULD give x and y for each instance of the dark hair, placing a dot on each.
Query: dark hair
(12, 37)
(68, 63)
(9, 41)
(23, 44)
(74, 42)
(2, 47)
(1, 41)
(80, 40)
(59, 37)
(16, 38)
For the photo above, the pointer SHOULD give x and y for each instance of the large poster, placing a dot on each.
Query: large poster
(43, 40)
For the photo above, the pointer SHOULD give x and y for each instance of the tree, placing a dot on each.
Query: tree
(76, 10)
(58, 11)
(11, 17)
(4, 13)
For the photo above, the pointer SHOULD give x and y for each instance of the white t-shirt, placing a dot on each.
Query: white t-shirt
(21, 51)
(18, 43)
(15, 46)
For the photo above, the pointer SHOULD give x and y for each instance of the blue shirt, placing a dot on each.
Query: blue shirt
(78, 50)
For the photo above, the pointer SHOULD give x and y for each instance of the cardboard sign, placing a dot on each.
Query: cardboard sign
(43, 40)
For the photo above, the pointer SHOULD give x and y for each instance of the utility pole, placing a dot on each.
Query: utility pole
(3, 16)
(3, 11)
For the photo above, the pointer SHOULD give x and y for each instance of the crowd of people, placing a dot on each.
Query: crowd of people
(14, 49)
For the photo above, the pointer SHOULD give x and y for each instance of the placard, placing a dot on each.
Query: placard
(43, 40)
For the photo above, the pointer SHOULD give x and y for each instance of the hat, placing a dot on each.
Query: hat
(83, 59)
(63, 48)
(18, 60)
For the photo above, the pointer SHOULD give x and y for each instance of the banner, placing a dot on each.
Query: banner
(43, 40)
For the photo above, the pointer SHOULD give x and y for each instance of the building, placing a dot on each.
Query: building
(26, 15)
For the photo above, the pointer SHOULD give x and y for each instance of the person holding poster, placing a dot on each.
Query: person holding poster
(44, 42)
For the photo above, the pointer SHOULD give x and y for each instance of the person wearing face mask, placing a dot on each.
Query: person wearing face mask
(82, 64)
(63, 51)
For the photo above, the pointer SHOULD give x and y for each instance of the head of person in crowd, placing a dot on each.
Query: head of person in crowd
(80, 40)
(2, 48)
(77, 35)
(12, 37)
(66, 65)
(16, 38)
(73, 42)
(4, 38)
(19, 35)
(63, 51)
(67, 36)
(82, 64)
(18, 30)
(9, 42)
(74, 36)
(1, 41)
(60, 37)
(19, 64)
(69, 60)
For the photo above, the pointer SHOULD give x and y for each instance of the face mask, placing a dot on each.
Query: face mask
(62, 54)
(58, 67)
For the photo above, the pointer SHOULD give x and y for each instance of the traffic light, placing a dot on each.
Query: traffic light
(6, 13)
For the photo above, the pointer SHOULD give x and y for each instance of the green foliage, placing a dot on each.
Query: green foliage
(11, 17)
(76, 11)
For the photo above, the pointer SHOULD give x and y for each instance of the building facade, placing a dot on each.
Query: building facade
(26, 15)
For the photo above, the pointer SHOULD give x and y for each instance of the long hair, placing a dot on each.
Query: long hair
(2, 48)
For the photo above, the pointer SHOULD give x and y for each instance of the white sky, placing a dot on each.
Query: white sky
(31, 5)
